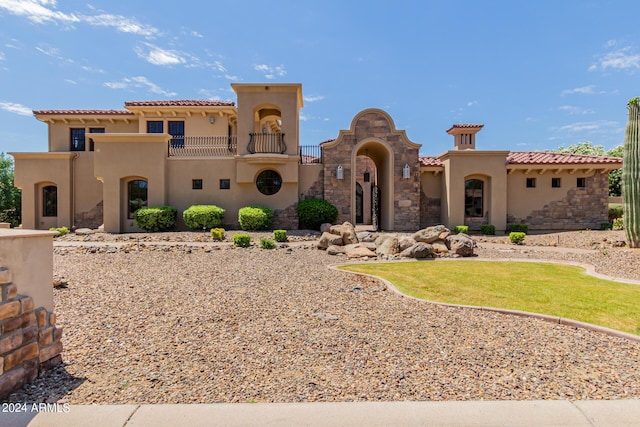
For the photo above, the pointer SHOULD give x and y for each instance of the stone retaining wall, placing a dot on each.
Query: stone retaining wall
(30, 341)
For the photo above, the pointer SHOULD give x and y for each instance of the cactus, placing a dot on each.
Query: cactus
(631, 174)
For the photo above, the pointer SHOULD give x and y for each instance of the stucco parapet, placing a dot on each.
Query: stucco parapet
(13, 233)
(131, 137)
(276, 87)
(43, 155)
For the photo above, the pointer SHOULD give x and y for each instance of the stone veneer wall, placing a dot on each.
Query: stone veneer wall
(90, 219)
(30, 341)
(406, 197)
(430, 211)
(581, 208)
(287, 218)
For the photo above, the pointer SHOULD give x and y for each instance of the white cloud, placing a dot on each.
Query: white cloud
(90, 69)
(586, 90)
(573, 110)
(158, 56)
(232, 78)
(139, 82)
(593, 127)
(15, 108)
(120, 23)
(271, 72)
(2, 57)
(470, 103)
(38, 11)
(313, 98)
(621, 59)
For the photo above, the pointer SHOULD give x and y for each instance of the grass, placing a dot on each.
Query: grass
(552, 289)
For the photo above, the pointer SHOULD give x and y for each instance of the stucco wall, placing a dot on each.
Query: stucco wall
(60, 132)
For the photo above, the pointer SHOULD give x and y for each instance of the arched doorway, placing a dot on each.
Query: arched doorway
(359, 204)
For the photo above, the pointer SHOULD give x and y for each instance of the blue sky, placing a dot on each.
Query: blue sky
(538, 74)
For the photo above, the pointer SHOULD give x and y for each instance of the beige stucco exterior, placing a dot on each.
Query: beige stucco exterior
(209, 152)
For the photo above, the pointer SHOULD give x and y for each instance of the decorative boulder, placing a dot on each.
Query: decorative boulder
(419, 250)
(460, 244)
(429, 234)
(388, 246)
(325, 227)
(440, 247)
(405, 243)
(367, 236)
(358, 250)
(328, 239)
(335, 250)
(348, 233)
(335, 229)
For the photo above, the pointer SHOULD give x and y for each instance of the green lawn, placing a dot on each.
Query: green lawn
(553, 289)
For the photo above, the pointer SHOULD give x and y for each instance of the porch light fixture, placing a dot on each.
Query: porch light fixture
(212, 119)
(340, 172)
(406, 171)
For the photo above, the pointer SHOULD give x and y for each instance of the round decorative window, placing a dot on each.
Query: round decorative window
(269, 182)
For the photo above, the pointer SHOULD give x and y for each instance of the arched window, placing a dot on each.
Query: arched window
(269, 182)
(473, 195)
(136, 196)
(50, 201)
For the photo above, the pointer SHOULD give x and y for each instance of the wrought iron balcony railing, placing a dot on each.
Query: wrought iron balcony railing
(272, 143)
(203, 146)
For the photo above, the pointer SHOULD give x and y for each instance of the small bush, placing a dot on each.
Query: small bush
(312, 213)
(615, 211)
(606, 226)
(267, 243)
(517, 237)
(217, 233)
(618, 224)
(159, 218)
(461, 229)
(255, 217)
(203, 217)
(242, 240)
(488, 229)
(519, 228)
(280, 235)
(61, 231)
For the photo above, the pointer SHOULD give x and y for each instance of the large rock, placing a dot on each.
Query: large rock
(429, 234)
(328, 239)
(348, 233)
(358, 250)
(335, 229)
(405, 242)
(367, 236)
(325, 227)
(335, 250)
(440, 247)
(419, 250)
(388, 246)
(460, 244)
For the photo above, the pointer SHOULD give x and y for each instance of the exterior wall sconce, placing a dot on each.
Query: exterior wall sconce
(340, 172)
(212, 119)
(406, 171)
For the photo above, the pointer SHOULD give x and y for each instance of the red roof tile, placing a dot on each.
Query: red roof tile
(180, 103)
(464, 126)
(430, 161)
(551, 158)
(82, 112)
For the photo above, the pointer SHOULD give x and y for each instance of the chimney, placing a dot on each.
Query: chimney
(464, 136)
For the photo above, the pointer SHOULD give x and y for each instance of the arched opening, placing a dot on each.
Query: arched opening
(267, 135)
(137, 196)
(372, 159)
(476, 201)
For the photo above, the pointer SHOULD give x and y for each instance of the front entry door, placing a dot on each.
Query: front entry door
(359, 204)
(375, 207)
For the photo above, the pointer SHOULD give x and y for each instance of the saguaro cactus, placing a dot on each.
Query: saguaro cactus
(631, 174)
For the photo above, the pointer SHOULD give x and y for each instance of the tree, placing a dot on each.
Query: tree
(10, 196)
(631, 174)
(588, 149)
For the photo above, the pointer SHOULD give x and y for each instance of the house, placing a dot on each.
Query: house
(101, 165)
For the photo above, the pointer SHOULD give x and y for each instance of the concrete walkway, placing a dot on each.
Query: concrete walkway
(475, 413)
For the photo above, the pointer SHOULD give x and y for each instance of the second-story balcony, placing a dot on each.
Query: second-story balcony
(271, 143)
(203, 146)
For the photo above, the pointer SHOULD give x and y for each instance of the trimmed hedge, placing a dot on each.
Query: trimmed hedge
(519, 228)
(217, 233)
(159, 218)
(280, 235)
(255, 217)
(60, 230)
(488, 229)
(266, 243)
(203, 217)
(312, 213)
(616, 210)
(242, 240)
(516, 237)
(461, 229)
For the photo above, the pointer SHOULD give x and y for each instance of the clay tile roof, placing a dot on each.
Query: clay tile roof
(82, 112)
(430, 161)
(180, 103)
(464, 126)
(327, 141)
(551, 158)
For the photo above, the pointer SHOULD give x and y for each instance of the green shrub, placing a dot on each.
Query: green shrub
(488, 229)
(615, 211)
(255, 217)
(606, 226)
(280, 235)
(267, 243)
(461, 229)
(203, 217)
(618, 224)
(312, 213)
(159, 218)
(517, 237)
(61, 231)
(242, 240)
(217, 233)
(519, 228)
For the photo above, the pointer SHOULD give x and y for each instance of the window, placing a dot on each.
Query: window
(556, 183)
(77, 139)
(473, 203)
(50, 201)
(196, 184)
(155, 126)
(176, 130)
(269, 182)
(137, 196)
(581, 182)
(225, 184)
(94, 130)
(531, 183)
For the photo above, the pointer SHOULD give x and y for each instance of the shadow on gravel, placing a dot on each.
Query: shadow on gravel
(50, 387)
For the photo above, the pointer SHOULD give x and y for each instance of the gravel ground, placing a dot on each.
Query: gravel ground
(178, 324)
